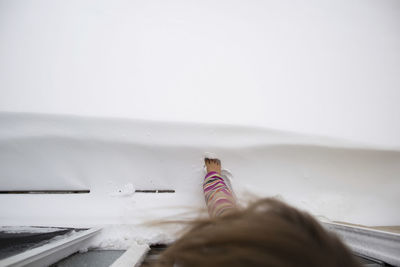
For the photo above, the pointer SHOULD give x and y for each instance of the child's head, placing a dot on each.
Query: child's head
(267, 233)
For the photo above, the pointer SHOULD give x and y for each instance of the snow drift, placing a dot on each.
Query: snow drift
(332, 178)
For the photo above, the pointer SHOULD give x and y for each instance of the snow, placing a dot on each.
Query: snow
(336, 179)
(298, 99)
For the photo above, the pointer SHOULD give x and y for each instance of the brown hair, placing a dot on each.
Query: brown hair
(267, 233)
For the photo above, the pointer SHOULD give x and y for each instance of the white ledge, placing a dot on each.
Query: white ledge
(376, 244)
(51, 252)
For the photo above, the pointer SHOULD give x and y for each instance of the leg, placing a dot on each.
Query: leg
(218, 196)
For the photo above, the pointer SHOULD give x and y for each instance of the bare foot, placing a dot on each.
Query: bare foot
(213, 165)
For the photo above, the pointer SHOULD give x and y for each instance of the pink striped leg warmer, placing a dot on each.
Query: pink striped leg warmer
(218, 196)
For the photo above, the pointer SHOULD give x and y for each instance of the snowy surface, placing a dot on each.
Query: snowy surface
(333, 179)
(114, 96)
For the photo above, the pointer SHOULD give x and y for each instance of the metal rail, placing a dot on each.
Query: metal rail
(51, 252)
(376, 244)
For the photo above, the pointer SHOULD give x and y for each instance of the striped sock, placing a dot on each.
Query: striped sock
(218, 196)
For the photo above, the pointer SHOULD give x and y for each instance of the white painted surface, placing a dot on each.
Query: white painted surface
(47, 254)
(133, 256)
(380, 245)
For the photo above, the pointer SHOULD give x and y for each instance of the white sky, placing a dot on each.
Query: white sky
(322, 67)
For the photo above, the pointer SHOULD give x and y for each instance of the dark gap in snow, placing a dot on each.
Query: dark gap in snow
(155, 191)
(45, 191)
